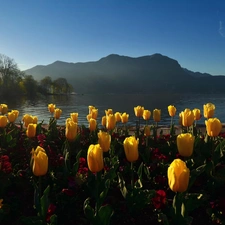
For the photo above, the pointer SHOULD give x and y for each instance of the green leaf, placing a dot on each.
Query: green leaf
(53, 220)
(104, 192)
(44, 203)
(139, 172)
(105, 213)
(122, 185)
(76, 164)
(89, 211)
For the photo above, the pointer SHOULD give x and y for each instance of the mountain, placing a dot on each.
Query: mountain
(123, 74)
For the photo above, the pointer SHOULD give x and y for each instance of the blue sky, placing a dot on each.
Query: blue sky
(39, 32)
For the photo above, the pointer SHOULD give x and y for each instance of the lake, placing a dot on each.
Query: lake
(121, 103)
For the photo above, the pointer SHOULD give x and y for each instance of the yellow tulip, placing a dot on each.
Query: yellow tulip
(89, 117)
(12, 116)
(187, 118)
(104, 121)
(35, 119)
(74, 117)
(90, 107)
(51, 108)
(185, 144)
(146, 114)
(180, 118)
(138, 111)
(31, 130)
(57, 113)
(213, 127)
(157, 115)
(71, 130)
(118, 116)
(94, 113)
(209, 110)
(172, 110)
(104, 139)
(108, 112)
(197, 114)
(124, 118)
(27, 119)
(3, 121)
(110, 121)
(95, 158)
(40, 161)
(147, 131)
(178, 176)
(4, 109)
(92, 124)
(130, 145)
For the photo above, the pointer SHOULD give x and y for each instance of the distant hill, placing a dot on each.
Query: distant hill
(123, 74)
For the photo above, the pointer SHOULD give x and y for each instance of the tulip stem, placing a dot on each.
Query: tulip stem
(98, 178)
(132, 175)
(177, 205)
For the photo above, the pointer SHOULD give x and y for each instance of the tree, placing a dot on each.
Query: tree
(45, 85)
(30, 85)
(10, 75)
(61, 86)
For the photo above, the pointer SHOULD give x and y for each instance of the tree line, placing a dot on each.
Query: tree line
(14, 82)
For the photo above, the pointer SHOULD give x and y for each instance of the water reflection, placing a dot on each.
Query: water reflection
(120, 103)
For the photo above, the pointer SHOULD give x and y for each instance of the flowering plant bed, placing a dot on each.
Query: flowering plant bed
(109, 174)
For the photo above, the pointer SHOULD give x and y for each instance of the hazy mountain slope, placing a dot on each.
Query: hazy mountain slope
(115, 73)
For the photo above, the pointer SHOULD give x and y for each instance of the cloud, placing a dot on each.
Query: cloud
(221, 29)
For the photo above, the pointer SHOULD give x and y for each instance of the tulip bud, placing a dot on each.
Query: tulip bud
(104, 139)
(3, 121)
(138, 111)
(40, 161)
(74, 117)
(157, 115)
(57, 113)
(35, 119)
(71, 130)
(209, 110)
(12, 116)
(90, 107)
(31, 130)
(104, 121)
(146, 114)
(178, 176)
(147, 131)
(213, 127)
(118, 116)
(94, 113)
(197, 114)
(110, 121)
(187, 118)
(92, 124)
(108, 112)
(4, 109)
(89, 117)
(124, 117)
(130, 145)
(27, 119)
(185, 144)
(51, 108)
(172, 110)
(95, 158)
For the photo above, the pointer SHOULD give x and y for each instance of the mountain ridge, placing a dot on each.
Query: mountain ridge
(118, 73)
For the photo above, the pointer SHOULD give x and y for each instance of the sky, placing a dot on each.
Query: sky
(40, 32)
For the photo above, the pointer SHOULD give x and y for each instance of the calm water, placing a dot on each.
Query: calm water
(120, 103)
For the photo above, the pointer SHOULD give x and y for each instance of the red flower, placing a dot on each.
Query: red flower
(5, 165)
(51, 210)
(68, 192)
(159, 200)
